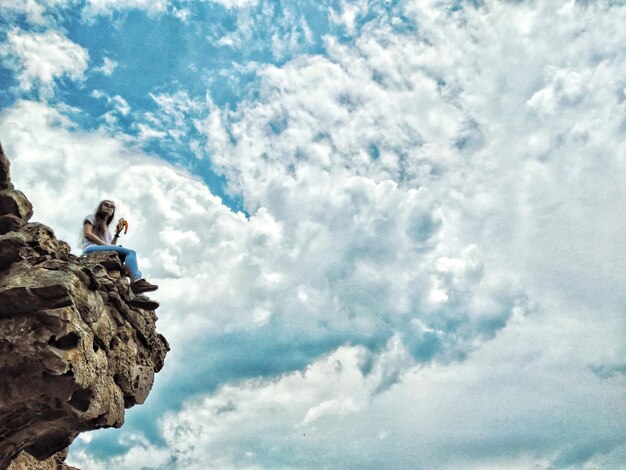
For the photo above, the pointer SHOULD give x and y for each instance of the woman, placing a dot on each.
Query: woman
(97, 237)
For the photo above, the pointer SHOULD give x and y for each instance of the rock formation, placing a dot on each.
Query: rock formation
(28, 462)
(73, 352)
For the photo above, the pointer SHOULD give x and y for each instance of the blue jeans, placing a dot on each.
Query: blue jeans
(130, 257)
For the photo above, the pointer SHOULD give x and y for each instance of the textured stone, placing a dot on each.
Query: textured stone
(73, 352)
(28, 462)
(5, 177)
(13, 203)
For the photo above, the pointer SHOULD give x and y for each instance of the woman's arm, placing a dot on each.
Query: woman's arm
(118, 229)
(90, 235)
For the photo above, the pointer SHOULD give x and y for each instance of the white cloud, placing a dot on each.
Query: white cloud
(119, 108)
(108, 67)
(107, 7)
(183, 14)
(236, 3)
(41, 58)
(515, 129)
(360, 262)
(436, 209)
(119, 104)
(65, 173)
(37, 12)
(283, 32)
(508, 406)
(177, 112)
(328, 113)
(31, 8)
(349, 13)
(47, 12)
(200, 435)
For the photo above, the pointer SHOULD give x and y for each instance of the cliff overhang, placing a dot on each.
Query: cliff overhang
(74, 352)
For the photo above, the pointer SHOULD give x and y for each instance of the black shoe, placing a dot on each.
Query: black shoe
(143, 302)
(141, 285)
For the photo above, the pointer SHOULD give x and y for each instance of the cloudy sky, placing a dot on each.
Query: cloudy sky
(387, 233)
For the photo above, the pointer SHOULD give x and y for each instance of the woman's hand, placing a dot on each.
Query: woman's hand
(121, 225)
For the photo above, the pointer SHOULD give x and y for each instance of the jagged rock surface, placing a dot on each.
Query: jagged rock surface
(25, 461)
(73, 353)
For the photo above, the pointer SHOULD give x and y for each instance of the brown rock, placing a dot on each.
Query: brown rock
(14, 202)
(10, 223)
(73, 352)
(5, 178)
(24, 461)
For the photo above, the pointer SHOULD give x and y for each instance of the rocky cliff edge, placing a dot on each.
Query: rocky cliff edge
(73, 353)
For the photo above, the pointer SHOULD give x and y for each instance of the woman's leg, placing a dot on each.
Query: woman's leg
(130, 257)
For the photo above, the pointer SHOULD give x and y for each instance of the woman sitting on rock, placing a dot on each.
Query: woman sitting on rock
(97, 237)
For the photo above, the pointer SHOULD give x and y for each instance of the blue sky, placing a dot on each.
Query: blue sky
(387, 234)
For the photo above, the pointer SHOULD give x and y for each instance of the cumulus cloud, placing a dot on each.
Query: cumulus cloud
(95, 8)
(108, 67)
(348, 14)
(52, 12)
(367, 263)
(39, 59)
(332, 387)
(183, 14)
(263, 28)
(366, 259)
(176, 113)
(119, 109)
(327, 112)
(427, 110)
(422, 277)
(31, 8)
(236, 3)
(514, 143)
(36, 12)
(119, 103)
(506, 407)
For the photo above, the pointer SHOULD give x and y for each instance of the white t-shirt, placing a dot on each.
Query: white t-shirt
(107, 238)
